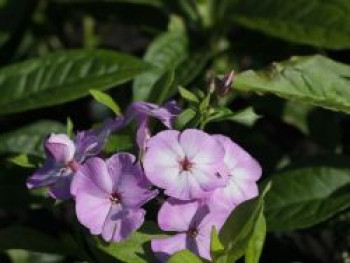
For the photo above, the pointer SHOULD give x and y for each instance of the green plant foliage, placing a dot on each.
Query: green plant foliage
(246, 116)
(165, 53)
(106, 100)
(134, 249)
(29, 139)
(315, 80)
(184, 256)
(257, 241)
(300, 21)
(303, 197)
(62, 77)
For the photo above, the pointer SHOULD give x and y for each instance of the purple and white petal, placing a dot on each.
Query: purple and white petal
(44, 176)
(163, 248)
(60, 148)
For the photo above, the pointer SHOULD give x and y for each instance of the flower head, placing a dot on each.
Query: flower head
(193, 221)
(64, 157)
(109, 195)
(187, 165)
(243, 172)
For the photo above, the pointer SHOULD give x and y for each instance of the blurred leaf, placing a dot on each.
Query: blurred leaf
(246, 116)
(216, 248)
(186, 119)
(63, 76)
(22, 160)
(188, 95)
(136, 249)
(315, 80)
(106, 100)
(155, 3)
(318, 23)
(296, 114)
(239, 228)
(24, 256)
(29, 139)
(166, 52)
(257, 241)
(119, 142)
(20, 237)
(184, 256)
(70, 127)
(163, 88)
(305, 196)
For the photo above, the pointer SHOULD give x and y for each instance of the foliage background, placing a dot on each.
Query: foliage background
(183, 42)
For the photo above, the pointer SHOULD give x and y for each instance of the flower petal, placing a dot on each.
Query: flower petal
(60, 148)
(165, 247)
(177, 215)
(61, 188)
(92, 177)
(201, 148)
(46, 175)
(92, 211)
(121, 223)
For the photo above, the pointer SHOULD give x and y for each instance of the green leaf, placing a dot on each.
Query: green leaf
(246, 116)
(315, 80)
(216, 248)
(20, 237)
(184, 256)
(29, 139)
(305, 196)
(63, 76)
(313, 22)
(136, 249)
(239, 228)
(106, 100)
(165, 53)
(70, 127)
(119, 142)
(154, 3)
(188, 95)
(187, 118)
(257, 241)
(163, 88)
(22, 160)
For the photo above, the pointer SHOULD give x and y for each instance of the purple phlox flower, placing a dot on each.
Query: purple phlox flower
(188, 164)
(109, 195)
(193, 221)
(243, 171)
(65, 156)
(141, 111)
(58, 167)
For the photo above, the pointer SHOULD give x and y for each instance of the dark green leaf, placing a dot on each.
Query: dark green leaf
(184, 256)
(186, 119)
(62, 77)
(136, 249)
(302, 197)
(19, 237)
(29, 139)
(239, 228)
(119, 142)
(246, 116)
(163, 88)
(257, 241)
(315, 80)
(165, 53)
(155, 3)
(188, 95)
(313, 22)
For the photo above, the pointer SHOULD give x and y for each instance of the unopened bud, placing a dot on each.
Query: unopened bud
(224, 85)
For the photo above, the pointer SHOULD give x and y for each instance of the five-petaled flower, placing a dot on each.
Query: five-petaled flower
(109, 195)
(193, 221)
(187, 165)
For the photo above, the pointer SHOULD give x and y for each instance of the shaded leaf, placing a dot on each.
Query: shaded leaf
(63, 76)
(305, 196)
(313, 22)
(29, 139)
(315, 80)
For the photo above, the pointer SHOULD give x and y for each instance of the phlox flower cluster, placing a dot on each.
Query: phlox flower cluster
(203, 176)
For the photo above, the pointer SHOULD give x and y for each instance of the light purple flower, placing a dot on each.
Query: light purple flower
(193, 221)
(243, 171)
(141, 111)
(65, 156)
(187, 165)
(109, 196)
(58, 167)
